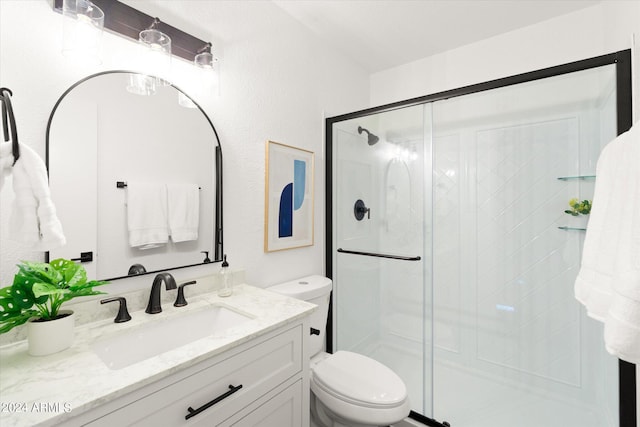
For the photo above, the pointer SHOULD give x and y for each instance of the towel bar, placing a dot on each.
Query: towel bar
(122, 184)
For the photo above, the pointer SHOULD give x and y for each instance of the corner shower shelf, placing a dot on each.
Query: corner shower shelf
(564, 227)
(570, 178)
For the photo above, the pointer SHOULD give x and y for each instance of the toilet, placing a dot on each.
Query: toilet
(347, 389)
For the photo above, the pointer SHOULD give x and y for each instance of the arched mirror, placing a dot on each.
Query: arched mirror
(108, 147)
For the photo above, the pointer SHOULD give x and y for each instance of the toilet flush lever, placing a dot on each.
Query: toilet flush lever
(315, 331)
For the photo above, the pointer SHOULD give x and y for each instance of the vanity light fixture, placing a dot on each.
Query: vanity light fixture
(129, 22)
(208, 65)
(155, 56)
(82, 27)
(205, 59)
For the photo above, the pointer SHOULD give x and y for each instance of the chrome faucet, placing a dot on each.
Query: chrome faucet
(154, 299)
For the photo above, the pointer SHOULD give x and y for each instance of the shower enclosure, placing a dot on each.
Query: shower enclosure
(452, 257)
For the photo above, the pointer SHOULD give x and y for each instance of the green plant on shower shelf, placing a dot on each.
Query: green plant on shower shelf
(579, 207)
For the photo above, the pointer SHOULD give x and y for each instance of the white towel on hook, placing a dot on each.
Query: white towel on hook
(608, 283)
(33, 219)
(147, 215)
(184, 211)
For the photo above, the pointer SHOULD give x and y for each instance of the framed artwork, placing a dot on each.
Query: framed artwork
(288, 215)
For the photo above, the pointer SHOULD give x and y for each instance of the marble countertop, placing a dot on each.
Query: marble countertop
(48, 390)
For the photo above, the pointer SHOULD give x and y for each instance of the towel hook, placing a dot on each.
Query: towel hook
(9, 122)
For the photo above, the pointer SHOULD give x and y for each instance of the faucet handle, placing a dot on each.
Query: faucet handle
(180, 300)
(123, 314)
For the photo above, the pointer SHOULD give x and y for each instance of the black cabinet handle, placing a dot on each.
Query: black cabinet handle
(315, 331)
(194, 412)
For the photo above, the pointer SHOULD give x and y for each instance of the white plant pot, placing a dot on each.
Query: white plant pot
(52, 336)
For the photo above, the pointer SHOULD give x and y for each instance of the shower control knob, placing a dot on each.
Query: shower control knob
(360, 209)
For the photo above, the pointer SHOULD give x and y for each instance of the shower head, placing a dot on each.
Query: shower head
(371, 138)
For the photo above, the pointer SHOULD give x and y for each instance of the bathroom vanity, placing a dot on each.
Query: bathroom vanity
(250, 370)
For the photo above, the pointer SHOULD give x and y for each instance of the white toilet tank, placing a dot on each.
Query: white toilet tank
(316, 290)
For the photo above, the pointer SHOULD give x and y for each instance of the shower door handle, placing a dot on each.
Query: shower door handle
(398, 257)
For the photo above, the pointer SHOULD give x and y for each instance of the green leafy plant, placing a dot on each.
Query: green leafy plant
(579, 207)
(39, 289)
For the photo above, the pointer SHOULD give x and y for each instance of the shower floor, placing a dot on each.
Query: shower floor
(468, 400)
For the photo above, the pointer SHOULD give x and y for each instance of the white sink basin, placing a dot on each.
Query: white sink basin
(154, 338)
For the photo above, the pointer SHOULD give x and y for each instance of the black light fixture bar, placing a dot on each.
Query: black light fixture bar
(127, 21)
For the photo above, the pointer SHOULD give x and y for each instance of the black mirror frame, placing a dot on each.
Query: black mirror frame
(218, 226)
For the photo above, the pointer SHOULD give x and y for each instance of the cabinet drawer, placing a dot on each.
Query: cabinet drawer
(282, 410)
(257, 369)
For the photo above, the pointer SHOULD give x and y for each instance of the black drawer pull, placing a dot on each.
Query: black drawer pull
(194, 412)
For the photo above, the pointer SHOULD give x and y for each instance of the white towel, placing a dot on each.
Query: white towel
(184, 211)
(33, 219)
(608, 283)
(622, 325)
(593, 285)
(147, 215)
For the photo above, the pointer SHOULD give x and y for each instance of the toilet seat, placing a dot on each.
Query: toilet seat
(357, 389)
(359, 380)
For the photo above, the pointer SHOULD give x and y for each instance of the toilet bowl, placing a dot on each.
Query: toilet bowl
(347, 389)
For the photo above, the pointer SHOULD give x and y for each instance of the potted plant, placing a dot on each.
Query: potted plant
(35, 297)
(579, 212)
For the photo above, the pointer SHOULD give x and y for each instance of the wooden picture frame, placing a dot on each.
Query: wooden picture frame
(289, 197)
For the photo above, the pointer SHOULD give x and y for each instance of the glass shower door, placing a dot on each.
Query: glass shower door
(453, 260)
(381, 213)
(512, 346)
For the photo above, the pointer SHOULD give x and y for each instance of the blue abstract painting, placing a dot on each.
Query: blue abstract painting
(289, 219)
(285, 213)
(291, 199)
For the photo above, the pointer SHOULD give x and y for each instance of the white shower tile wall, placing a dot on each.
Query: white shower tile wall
(505, 318)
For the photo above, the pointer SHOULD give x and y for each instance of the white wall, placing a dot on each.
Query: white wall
(604, 28)
(278, 82)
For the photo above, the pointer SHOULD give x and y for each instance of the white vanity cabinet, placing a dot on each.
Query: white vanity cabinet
(263, 382)
(284, 409)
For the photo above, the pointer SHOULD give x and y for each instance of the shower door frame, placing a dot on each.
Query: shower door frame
(622, 61)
